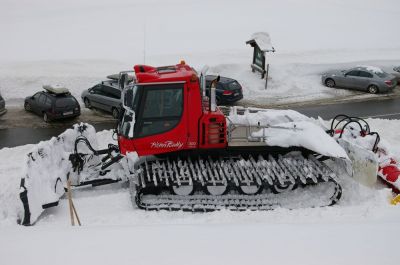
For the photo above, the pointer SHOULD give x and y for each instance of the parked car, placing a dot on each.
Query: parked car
(2, 105)
(396, 73)
(227, 90)
(54, 103)
(365, 78)
(105, 96)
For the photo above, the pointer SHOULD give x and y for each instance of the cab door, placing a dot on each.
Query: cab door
(161, 122)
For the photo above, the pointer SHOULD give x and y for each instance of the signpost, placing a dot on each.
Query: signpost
(258, 61)
(261, 43)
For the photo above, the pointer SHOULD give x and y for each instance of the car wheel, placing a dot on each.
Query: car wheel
(87, 103)
(373, 89)
(45, 117)
(330, 82)
(115, 113)
(27, 106)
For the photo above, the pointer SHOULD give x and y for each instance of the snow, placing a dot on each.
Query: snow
(263, 41)
(361, 227)
(289, 128)
(78, 43)
(373, 69)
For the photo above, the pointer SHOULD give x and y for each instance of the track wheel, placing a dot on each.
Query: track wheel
(282, 188)
(250, 189)
(183, 190)
(216, 190)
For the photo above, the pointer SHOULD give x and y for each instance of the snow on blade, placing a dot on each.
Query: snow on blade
(290, 128)
(46, 168)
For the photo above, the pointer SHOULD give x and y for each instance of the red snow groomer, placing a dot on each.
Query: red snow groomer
(179, 151)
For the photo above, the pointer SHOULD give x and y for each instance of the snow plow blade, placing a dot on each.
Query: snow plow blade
(364, 162)
(51, 162)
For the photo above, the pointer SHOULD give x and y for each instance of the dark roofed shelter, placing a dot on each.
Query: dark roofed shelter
(261, 42)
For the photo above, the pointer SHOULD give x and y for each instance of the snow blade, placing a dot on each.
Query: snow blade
(364, 162)
(46, 169)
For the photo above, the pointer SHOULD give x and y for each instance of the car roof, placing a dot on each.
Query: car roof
(370, 69)
(55, 96)
(110, 83)
(222, 79)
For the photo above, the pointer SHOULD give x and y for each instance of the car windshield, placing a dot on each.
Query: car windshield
(233, 85)
(65, 102)
(381, 74)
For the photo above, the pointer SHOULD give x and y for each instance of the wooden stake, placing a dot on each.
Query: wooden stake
(71, 206)
(76, 213)
(72, 210)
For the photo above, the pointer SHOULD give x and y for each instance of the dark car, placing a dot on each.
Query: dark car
(2, 105)
(227, 90)
(52, 104)
(105, 96)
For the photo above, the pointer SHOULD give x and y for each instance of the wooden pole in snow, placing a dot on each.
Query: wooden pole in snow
(72, 210)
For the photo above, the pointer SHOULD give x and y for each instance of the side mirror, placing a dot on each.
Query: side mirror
(128, 97)
(123, 80)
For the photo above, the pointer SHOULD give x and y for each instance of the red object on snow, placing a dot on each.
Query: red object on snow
(391, 172)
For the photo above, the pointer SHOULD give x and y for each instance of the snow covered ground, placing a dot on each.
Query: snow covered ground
(358, 230)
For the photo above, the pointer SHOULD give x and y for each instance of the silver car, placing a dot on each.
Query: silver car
(365, 78)
(2, 105)
(105, 96)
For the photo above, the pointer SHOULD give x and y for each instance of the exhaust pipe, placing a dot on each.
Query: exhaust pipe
(213, 104)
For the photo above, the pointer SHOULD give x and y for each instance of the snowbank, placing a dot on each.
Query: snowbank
(353, 231)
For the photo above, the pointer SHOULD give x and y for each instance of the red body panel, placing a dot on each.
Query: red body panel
(197, 128)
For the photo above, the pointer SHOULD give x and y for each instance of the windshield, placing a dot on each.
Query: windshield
(381, 74)
(234, 85)
(65, 102)
(160, 109)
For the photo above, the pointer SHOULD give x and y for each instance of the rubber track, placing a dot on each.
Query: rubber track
(152, 188)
